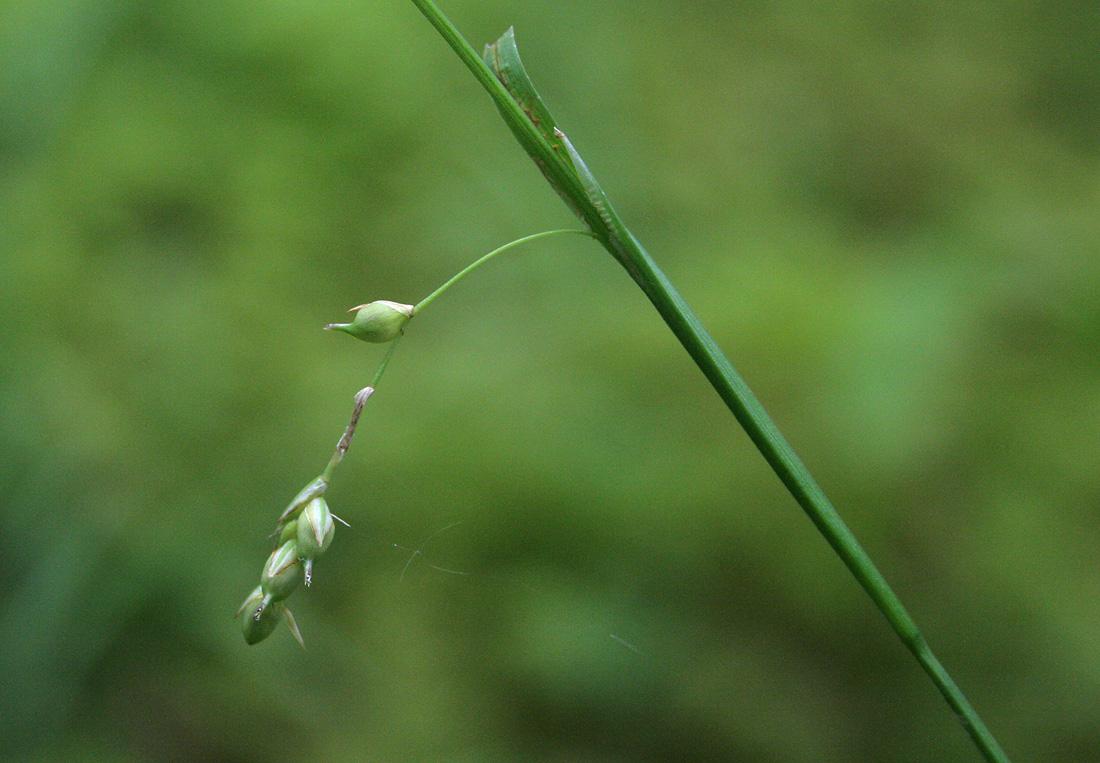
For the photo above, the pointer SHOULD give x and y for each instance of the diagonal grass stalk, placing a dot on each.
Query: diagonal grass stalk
(523, 112)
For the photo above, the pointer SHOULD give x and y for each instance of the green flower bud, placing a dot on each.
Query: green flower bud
(380, 321)
(256, 629)
(281, 575)
(315, 531)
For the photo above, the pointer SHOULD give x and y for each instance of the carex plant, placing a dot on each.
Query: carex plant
(305, 529)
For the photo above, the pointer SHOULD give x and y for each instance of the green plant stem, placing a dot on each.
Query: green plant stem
(427, 300)
(559, 173)
(733, 390)
(385, 362)
(365, 393)
(360, 400)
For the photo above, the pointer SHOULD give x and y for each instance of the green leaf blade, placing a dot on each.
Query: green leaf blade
(502, 58)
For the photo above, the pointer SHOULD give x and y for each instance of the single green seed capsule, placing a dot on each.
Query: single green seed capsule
(379, 321)
(281, 575)
(256, 629)
(315, 531)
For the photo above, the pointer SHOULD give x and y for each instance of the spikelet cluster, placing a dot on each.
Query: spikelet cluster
(305, 531)
(306, 528)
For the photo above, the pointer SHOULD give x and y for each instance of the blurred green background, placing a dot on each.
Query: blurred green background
(886, 214)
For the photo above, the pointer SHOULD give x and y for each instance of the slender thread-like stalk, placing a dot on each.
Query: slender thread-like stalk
(364, 394)
(385, 362)
(590, 204)
(427, 300)
(361, 399)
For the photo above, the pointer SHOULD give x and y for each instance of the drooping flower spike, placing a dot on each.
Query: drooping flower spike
(306, 527)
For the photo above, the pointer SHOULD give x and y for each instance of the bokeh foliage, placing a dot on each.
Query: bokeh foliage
(886, 213)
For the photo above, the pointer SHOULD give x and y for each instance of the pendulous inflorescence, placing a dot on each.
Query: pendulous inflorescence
(305, 529)
(304, 532)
